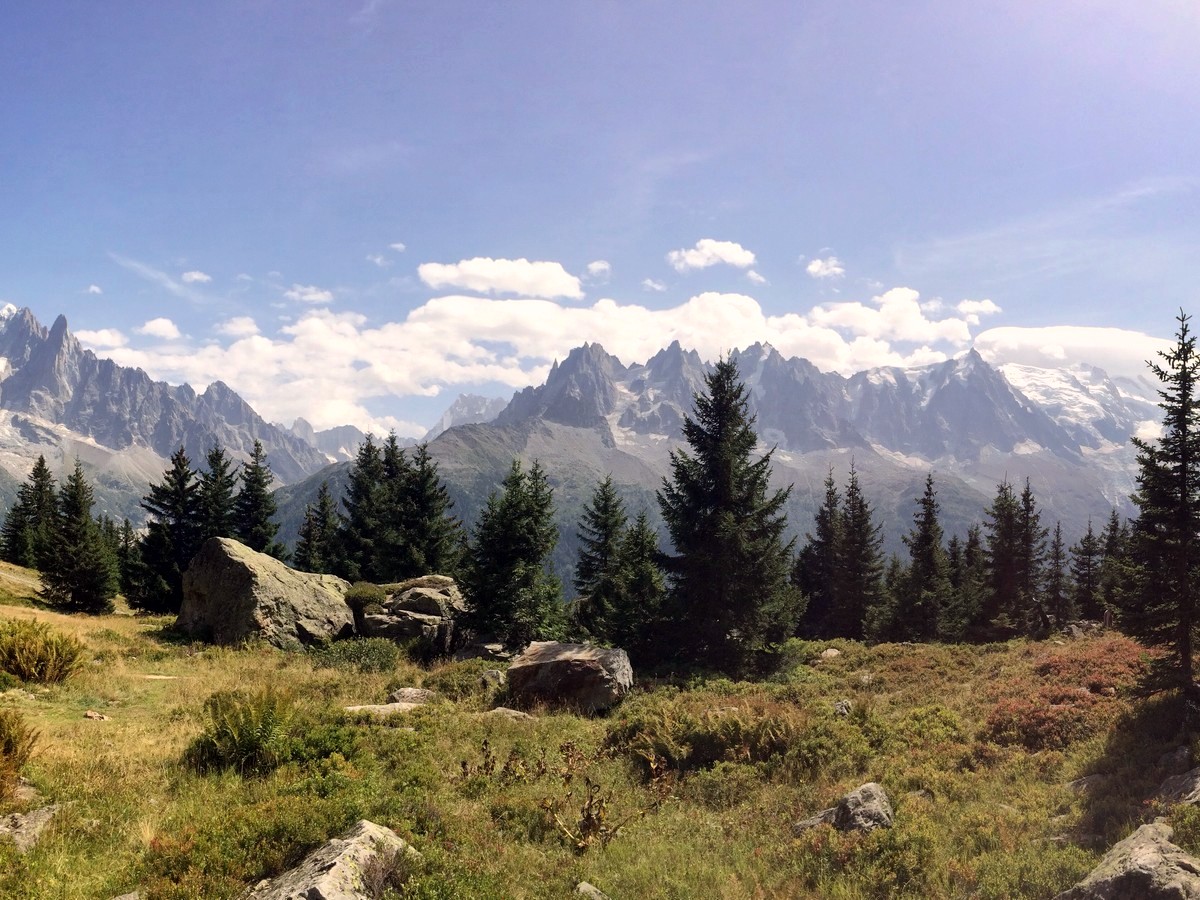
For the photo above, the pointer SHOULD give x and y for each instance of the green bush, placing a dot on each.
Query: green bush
(363, 654)
(17, 740)
(245, 732)
(31, 651)
(462, 679)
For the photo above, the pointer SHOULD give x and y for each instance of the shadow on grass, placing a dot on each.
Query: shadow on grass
(1132, 762)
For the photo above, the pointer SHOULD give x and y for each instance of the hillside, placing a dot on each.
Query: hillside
(978, 748)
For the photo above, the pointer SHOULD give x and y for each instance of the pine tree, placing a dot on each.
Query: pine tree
(1086, 557)
(925, 592)
(363, 519)
(83, 576)
(1002, 609)
(432, 535)
(172, 538)
(1031, 560)
(510, 591)
(254, 506)
(128, 559)
(29, 525)
(599, 575)
(394, 554)
(730, 593)
(317, 542)
(634, 621)
(216, 495)
(1058, 600)
(1162, 608)
(858, 576)
(816, 569)
(1116, 569)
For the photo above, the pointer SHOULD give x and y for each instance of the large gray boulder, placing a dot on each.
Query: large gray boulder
(231, 594)
(1144, 866)
(423, 608)
(576, 675)
(863, 809)
(341, 868)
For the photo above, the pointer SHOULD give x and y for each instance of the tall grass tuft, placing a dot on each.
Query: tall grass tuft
(17, 740)
(247, 732)
(31, 651)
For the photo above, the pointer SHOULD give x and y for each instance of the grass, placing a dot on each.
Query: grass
(685, 790)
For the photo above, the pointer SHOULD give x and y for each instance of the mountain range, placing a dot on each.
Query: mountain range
(971, 423)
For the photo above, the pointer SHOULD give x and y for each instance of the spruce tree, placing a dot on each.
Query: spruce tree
(1057, 597)
(394, 553)
(599, 576)
(730, 592)
(1161, 610)
(1031, 560)
(1116, 569)
(925, 591)
(510, 591)
(1086, 558)
(363, 518)
(128, 559)
(172, 538)
(317, 542)
(29, 525)
(83, 573)
(1002, 611)
(254, 506)
(216, 495)
(634, 621)
(816, 569)
(432, 535)
(858, 575)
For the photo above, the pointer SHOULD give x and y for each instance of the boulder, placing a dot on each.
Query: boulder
(422, 608)
(383, 709)
(231, 594)
(1146, 866)
(25, 828)
(864, 809)
(1183, 788)
(575, 675)
(340, 869)
(513, 715)
(584, 889)
(412, 695)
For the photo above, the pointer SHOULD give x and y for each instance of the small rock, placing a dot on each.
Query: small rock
(412, 695)
(515, 715)
(824, 817)
(383, 709)
(864, 809)
(1177, 760)
(92, 714)
(843, 708)
(25, 792)
(134, 895)
(583, 889)
(921, 794)
(25, 829)
(1183, 788)
(830, 653)
(1088, 784)
(492, 678)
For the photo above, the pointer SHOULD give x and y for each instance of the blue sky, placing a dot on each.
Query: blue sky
(354, 211)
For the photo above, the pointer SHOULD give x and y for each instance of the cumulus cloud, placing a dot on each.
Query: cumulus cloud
(94, 289)
(195, 277)
(503, 276)
(238, 327)
(650, 284)
(1117, 351)
(599, 270)
(308, 293)
(829, 267)
(708, 252)
(160, 328)
(754, 278)
(102, 338)
(973, 309)
(894, 315)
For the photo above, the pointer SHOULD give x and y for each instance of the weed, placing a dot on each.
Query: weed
(363, 654)
(245, 732)
(32, 652)
(593, 826)
(17, 740)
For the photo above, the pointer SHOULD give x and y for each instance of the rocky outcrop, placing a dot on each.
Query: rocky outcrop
(422, 608)
(1144, 866)
(1183, 788)
(232, 594)
(24, 829)
(342, 869)
(574, 675)
(864, 809)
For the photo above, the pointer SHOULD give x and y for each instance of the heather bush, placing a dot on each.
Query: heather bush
(31, 651)
(363, 654)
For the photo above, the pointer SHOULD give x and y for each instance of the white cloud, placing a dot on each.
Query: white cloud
(398, 247)
(895, 316)
(1115, 350)
(649, 284)
(238, 327)
(379, 259)
(754, 278)
(156, 276)
(102, 338)
(195, 277)
(503, 276)
(708, 252)
(599, 270)
(973, 309)
(308, 293)
(160, 328)
(829, 267)
(94, 289)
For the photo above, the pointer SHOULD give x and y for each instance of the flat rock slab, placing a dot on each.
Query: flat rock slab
(1183, 788)
(334, 871)
(384, 709)
(26, 828)
(412, 695)
(574, 675)
(1144, 866)
(503, 712)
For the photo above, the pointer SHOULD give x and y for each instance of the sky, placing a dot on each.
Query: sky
(354, 211)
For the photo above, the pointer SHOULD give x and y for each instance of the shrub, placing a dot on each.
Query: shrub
(246, 732)
(1052, 718)
(17, 741)
(32, 652)
(363, 654)
(461, 680)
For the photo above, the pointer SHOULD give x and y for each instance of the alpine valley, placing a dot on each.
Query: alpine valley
(971, 423)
